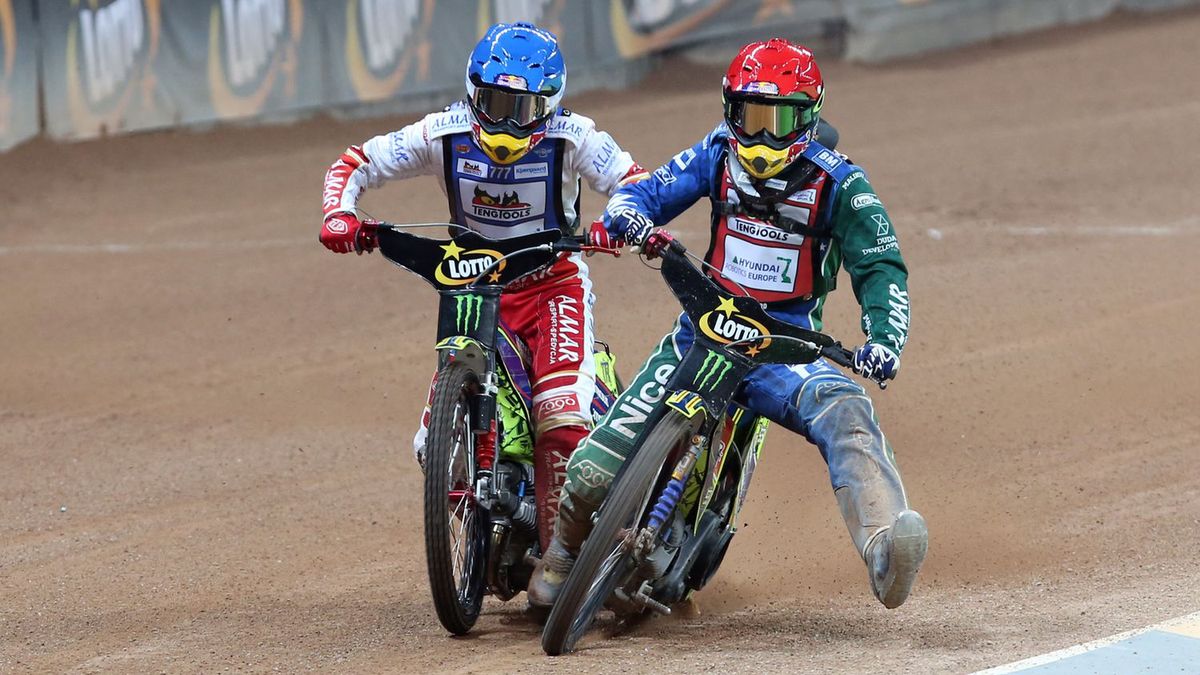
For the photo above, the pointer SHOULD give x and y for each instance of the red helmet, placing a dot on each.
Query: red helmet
(773, 93)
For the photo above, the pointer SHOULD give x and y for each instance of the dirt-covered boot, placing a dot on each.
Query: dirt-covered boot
(894, 557)
(549, 575)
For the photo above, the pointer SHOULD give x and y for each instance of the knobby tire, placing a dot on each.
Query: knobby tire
(583, 595)
(457, 597)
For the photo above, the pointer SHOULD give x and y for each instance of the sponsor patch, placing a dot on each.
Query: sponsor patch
(566, 335)
(760, 267)
(883, 227)
(556, 404)
(512, 81)
(865, 200)
(829, 159)
(764, 231)
(664, 175)
(808, 196)
(853, 177)
(539, 170)
(471, 167)
(501, 203)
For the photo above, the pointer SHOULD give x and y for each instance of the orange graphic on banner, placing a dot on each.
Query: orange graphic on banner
(390, 46)
(103, 102)
(259, 48)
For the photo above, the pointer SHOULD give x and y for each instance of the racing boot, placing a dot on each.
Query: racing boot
(893, 547)
(894, 556)
(570, 529)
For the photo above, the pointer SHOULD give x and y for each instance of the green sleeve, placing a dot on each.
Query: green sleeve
(871, 255)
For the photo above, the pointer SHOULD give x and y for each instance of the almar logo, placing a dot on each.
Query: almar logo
(725, 325)
(712, 370)
(461, 266)
(467, 309)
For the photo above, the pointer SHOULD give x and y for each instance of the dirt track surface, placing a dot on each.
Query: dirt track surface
(205, 436)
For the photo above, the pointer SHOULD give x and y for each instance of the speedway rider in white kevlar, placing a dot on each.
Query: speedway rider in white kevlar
(510, 161)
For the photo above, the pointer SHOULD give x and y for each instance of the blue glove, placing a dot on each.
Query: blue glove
(876, 362)
(631, 225)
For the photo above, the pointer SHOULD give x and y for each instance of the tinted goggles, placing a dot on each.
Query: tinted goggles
(503, 108)
(780, 121)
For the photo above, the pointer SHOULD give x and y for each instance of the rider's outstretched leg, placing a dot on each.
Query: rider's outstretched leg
(836, 414)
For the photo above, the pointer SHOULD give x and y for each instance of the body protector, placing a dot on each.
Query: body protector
(538, 191)
(770, 238)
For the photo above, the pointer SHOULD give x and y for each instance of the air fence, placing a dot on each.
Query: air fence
(78, 69)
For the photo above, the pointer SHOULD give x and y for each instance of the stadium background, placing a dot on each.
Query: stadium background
(204, 416)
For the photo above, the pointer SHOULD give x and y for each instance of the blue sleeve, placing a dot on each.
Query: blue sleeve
(673, 187)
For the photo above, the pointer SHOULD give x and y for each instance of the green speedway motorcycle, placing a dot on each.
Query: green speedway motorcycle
(668, 519)
(480, 511)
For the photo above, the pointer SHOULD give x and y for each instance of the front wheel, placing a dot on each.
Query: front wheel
(606, 557)
(455, 524)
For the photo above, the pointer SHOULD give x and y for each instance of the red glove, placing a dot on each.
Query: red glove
(599, 237)
(344, 232)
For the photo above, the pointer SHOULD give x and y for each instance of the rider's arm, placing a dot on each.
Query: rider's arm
(603, 164)
(871, 254)
(672, 188)
(405, 153)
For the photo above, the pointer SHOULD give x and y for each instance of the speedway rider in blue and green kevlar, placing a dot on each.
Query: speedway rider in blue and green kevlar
(787, 213)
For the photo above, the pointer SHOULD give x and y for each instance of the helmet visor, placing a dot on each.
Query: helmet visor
(501, 108)
(776, 123)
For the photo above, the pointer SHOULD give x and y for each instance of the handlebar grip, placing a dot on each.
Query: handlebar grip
(839, 355)
(569, 245)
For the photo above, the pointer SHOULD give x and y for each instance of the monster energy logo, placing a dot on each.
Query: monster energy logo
(714, 367)
(467, 309)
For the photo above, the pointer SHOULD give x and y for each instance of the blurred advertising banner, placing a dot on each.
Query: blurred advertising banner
(880, 30)
(627, 29)
(18, 73)
(110, 66)
(382, 49)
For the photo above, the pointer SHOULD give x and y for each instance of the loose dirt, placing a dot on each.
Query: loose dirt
(205, 417)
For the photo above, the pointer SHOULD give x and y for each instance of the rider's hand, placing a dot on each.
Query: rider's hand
(599, 237)
(633, 225)
(344, 232)
(876, 362)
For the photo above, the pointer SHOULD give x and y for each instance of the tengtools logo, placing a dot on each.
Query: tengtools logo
(505, 206)
(252, 45)
(384, 38)
(461, 266)
(725, 325)
(110, 50)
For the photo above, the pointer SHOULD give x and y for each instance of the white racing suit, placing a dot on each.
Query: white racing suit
(551, 312)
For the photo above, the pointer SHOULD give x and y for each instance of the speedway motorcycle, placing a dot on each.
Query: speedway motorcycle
(664, 528)
(481, 534)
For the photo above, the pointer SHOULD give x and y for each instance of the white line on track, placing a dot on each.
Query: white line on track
(111, 248)
(1187, 226)
(1061, 654)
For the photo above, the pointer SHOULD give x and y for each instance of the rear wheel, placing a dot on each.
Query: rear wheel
(455, 524)
(606, 557)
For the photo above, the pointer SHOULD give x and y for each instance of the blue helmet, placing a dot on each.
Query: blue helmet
(515, 82)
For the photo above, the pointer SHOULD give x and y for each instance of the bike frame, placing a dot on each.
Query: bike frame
(469, 272)
(733, 335)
